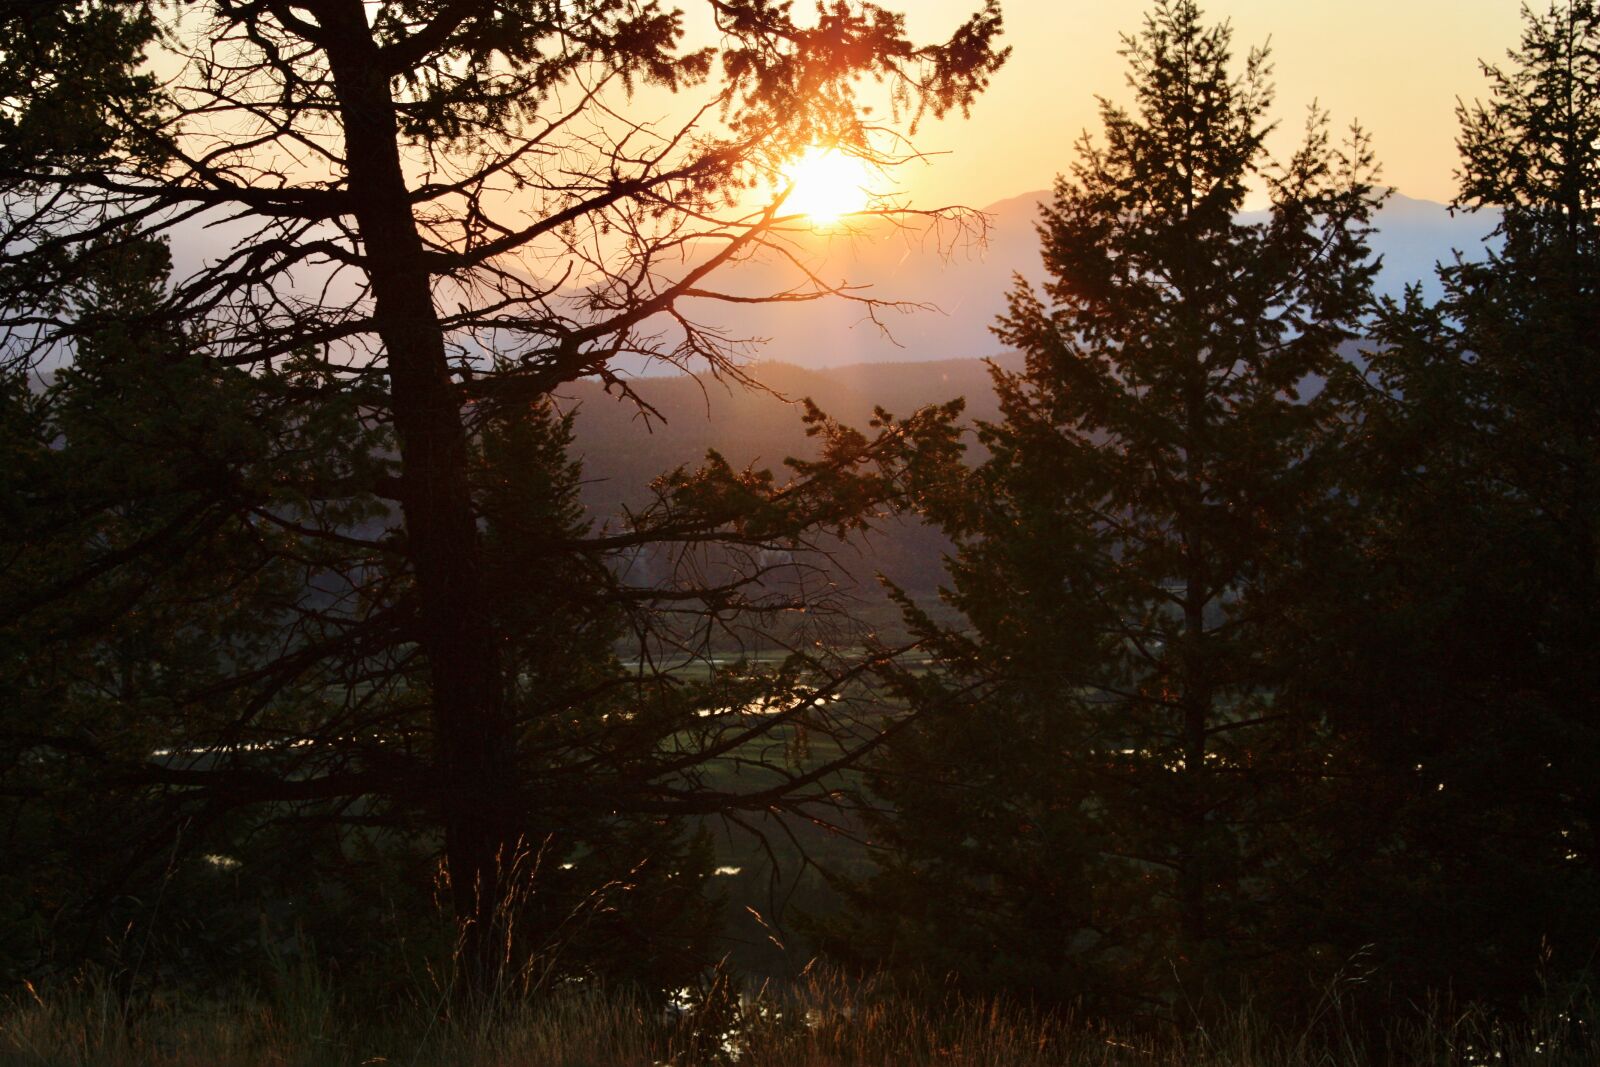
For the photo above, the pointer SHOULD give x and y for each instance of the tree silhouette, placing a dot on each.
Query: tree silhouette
(1088, 797)
(1461, 618)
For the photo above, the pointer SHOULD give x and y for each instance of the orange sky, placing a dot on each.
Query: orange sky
(1396, 65)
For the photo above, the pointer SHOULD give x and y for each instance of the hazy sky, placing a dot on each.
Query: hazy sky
(1396, 65)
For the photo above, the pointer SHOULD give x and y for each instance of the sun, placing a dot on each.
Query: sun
(827, 184)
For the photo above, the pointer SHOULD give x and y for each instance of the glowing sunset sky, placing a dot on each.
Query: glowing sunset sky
(1397, 66)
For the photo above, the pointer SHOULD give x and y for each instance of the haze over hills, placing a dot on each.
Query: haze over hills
(831, 351)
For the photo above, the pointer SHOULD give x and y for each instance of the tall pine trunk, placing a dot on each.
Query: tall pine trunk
(1195, 698)
(474, 780)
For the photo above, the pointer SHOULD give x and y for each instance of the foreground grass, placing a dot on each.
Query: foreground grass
(825, 1023)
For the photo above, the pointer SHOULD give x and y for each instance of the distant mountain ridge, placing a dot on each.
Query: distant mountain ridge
(950, 282)
(967, 281)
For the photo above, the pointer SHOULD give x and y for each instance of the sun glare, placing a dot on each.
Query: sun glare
(827, 185)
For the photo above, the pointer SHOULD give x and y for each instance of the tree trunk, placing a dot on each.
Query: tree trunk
(474, 783)
(1195, 696)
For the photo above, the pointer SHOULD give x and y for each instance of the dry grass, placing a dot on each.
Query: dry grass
(827, 1022)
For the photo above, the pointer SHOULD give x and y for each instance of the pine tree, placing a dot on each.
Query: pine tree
(436, 212)
(614, 895)
(1093, 799)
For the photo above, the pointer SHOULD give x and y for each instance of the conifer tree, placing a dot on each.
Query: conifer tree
(1461, 625)
(1091, 799)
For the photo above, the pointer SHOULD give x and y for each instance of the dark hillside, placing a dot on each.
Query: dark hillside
(623, 448)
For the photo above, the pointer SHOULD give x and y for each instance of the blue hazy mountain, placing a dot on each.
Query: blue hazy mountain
(964, 280)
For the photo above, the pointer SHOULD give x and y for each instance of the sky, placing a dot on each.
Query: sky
(1396, 66)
